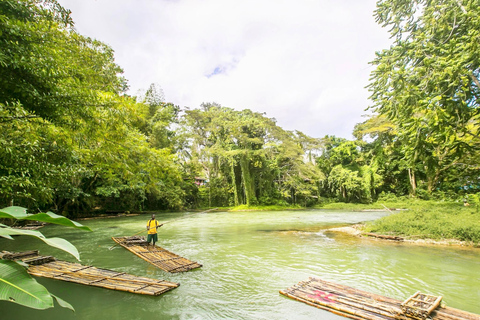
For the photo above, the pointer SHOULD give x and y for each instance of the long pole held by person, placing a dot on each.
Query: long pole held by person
(155, 227)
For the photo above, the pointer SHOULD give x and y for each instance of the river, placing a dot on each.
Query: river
(247, 258)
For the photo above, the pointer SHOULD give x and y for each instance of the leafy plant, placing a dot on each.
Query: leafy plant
(16, 285)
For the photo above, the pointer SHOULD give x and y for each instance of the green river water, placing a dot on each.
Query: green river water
(247, 258)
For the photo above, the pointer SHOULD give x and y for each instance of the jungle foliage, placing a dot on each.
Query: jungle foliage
(74, 142)
(16, 285)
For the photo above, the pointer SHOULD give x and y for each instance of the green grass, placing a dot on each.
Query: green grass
(437, 220)
(432, 220)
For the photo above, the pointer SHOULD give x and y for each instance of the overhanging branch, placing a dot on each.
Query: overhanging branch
(475, 80)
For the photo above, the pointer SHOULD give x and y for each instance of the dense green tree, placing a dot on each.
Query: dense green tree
(383, 149)
(70, 140)
(47, 67)
(246, 151)
(351, 173)
(427, 83)
(162, 119)
(51, 81)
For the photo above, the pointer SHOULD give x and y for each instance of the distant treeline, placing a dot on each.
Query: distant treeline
(72, 141)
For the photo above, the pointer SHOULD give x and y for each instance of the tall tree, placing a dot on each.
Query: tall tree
(70, 139)
(250, 158)
(384, 151)
(47, 67)
(427, 83)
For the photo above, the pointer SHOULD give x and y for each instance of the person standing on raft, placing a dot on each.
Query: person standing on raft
(152, 226)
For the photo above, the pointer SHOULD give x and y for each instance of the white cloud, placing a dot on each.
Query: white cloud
(303, 62)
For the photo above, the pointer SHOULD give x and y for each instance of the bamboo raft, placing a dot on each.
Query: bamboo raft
(31, 226)
(49, 267)
(159, 257)
(357, 304)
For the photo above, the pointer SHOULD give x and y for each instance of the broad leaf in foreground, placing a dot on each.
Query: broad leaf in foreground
(20, 213)
(59, 243)
(16, 285)
(63, 303)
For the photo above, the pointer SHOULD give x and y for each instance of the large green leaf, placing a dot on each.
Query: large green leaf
(63, 303)
(53, 242)
(5, 236)
(13, 212)
(51, 217)
(17, 286)
(63, 245)
(7, 231)
(20, 213)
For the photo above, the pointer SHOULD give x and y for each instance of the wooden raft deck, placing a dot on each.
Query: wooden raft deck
(49, 267)
(358, 304)
(159, 257)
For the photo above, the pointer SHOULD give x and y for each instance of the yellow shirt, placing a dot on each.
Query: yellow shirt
(152, 226)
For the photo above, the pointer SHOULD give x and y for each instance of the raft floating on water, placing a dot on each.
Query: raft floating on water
(49, 267)
(159, 257)
(358, 304)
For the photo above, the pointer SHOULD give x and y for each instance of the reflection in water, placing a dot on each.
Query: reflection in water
(247, 258)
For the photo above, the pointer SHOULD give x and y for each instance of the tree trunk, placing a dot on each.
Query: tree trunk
(234, 182)
(413, 183)
(247, 180)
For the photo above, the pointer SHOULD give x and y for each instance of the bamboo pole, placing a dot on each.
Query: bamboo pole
(449, 313)
(387, 208)
(357, 291)
(355, 299)
(350, 292)
(364, 314)
(111, 248)
(341, 313)
(18, 255)
(435, 304)
(355, 304)
(181, 218)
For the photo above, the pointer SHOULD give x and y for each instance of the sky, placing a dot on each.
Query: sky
(303, 62)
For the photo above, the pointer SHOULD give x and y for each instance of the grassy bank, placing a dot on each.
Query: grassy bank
(437, 220)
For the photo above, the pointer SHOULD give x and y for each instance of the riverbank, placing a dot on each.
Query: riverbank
(413, 220)
(422, 222)
(358, 231)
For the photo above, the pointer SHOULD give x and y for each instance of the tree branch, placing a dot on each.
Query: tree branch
(475, 80)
